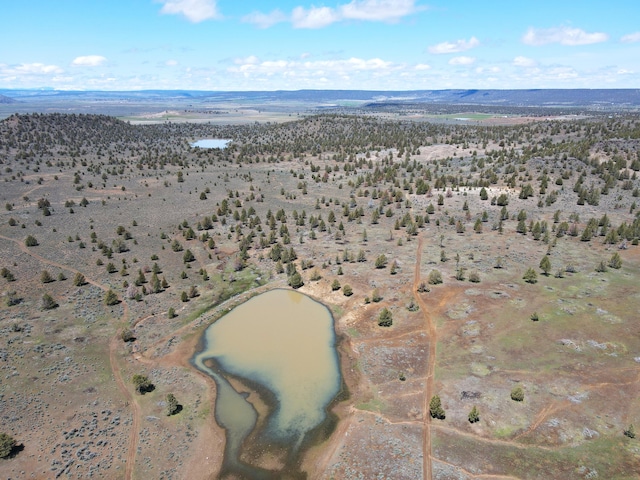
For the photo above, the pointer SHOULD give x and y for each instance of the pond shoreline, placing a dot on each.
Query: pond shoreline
(262, 454)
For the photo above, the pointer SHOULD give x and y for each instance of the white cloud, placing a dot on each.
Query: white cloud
(171, 63)
(30, 69)
(485, 70)
(462, 60)
(193, 10)
(319, 17)
(265, 20)
(252, 66)
(562, 35)
(315, 17)
(378, 10)
(631, 38)
(251, 60)
(454, 47)
(88, 61)
(422, 66)
(524, 62)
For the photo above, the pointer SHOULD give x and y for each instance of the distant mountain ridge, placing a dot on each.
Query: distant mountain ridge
(530, 97)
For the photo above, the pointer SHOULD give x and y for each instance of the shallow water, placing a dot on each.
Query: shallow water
(283, 341)
(211, 143)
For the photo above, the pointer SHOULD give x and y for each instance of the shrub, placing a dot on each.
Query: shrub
(517, 394)
(335, 285)
(474, 277)
(347, 291)
(375, 296)
(435, 277)
(30, 241)
(127, 335)
(171, 313)
(534, 317)
(630, 432)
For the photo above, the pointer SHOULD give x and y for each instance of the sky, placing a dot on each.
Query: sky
(238, 45)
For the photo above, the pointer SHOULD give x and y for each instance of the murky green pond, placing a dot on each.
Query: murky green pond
(283, 342)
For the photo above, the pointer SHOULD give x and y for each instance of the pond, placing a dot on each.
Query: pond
(211, 143)
(283, 344)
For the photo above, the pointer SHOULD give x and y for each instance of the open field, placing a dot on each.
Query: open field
(385, 206)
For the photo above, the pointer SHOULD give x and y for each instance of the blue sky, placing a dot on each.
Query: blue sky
(331, 44)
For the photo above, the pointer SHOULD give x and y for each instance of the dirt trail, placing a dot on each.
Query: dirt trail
(431, 365)
(113, 345)
(30, 251)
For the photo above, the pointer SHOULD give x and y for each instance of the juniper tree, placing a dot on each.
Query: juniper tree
(46, 277)
(545, 265)
(530, 276)
(435, 408)
(474, 415)
(48, 303)
(111, 298)
(7, 444)
(141, 383)
(172, 405)
(385, 318)
(615, 261)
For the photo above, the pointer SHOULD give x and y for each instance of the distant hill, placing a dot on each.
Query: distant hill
(4, 99)
(123, 103)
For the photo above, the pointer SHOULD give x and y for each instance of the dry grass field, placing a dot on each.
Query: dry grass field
(438, 223)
